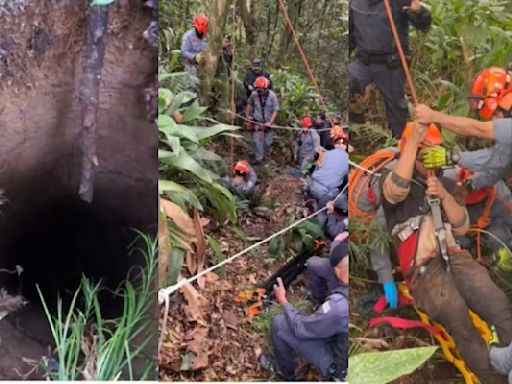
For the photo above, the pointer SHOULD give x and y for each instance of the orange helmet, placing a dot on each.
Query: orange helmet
(491, 89)
(306, 122)
(241, 166)
(201, 23)
(472, 197)
(262, 82)
(432, 137)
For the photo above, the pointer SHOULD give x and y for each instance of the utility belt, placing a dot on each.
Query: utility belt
(392, 60)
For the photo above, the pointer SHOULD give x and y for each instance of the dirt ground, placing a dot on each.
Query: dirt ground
(41, 49)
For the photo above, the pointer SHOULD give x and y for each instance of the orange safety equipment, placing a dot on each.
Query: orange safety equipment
(241, 166)
(491, 89)
(262, 82)
(472, 197)
(201, 23)
(306, 122)
(337, 133)
(432, 137)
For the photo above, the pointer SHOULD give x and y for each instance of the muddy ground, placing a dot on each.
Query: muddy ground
(41, 49)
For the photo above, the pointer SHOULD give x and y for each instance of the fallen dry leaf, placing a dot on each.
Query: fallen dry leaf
(230, 319)
(194, 300)
(200, 249)
(181, 218)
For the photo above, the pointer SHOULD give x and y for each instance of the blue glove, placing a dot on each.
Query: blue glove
(391, 293)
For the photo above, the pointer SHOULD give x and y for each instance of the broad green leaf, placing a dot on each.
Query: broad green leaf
(183, 161)
(384, 367)
(193, 112)
(204, 133)
(206, 155)
(176, 262)
(219, 255)
(169, 186)
(313, 229)
(178, 194)
(275, 247)
(168, 126)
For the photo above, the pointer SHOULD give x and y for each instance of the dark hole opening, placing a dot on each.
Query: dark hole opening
(56, 240)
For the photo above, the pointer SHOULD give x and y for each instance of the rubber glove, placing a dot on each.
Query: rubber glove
(391, 293)
(199, 58)
(494, 339)
(437, 157)
(504, 259)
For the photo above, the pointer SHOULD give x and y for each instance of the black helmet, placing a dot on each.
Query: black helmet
(256, 62)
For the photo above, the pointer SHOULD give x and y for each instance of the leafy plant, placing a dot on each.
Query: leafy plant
(384, 367)
(186, 175)
(93, 348)
(299, 239)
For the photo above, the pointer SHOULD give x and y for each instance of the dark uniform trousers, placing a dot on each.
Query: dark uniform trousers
(446, 298)
(312, 336)
(391, 85)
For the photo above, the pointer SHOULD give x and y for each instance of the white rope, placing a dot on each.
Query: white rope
(164, 293)
(274, 126)
(363, 168)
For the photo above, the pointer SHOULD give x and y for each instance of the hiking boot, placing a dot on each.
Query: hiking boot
(269, 364)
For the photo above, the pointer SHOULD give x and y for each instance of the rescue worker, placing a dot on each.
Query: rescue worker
(444, 279)
(337, 220)
(499, 220)
(324, 184)
(321, 276)
(322, 126)
(491, 98)
(251, 76)
(194, 44)
(377, 60)
(308, 143)
(321, 338)
(262, 109)
(225, 57)
(243, 181)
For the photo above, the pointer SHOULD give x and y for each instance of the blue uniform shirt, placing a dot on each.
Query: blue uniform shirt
(191, 45)
(263, 106)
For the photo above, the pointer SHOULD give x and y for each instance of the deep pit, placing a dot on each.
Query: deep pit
(44, 226)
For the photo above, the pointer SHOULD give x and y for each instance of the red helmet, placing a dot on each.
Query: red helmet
(472, 197)
(306, 122)
(262, 82)
(201, 23)
(241, 166)
(491, 88)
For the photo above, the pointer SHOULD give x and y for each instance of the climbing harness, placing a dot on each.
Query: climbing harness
(434, 203)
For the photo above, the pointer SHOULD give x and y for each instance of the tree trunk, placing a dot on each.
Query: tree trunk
(294, 7)
(89, 91)
(250, 20)
(217, 13)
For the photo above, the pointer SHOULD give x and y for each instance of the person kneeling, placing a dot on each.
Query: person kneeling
(321, 338)
(242, 183)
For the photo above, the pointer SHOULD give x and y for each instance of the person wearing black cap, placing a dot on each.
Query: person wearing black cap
(321, 338)
(251, 76)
